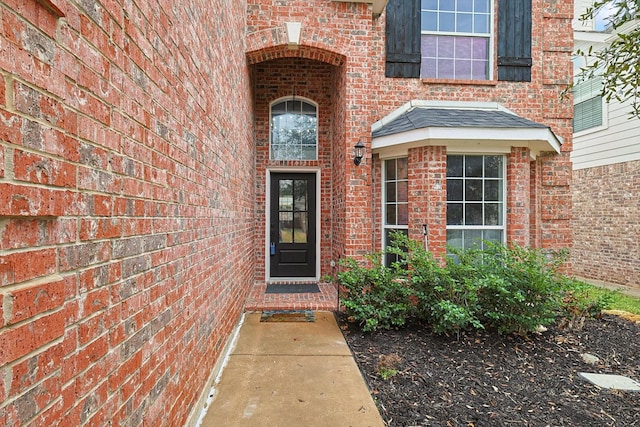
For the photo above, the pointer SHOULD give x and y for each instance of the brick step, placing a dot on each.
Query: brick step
(325, 300)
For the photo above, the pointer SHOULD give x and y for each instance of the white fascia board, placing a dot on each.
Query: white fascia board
(471, 139)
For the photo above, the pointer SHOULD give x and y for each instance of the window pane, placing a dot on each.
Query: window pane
(446, 47)
(493, 191)
(429, 46)
(479, 48)
(454, 238)
(481, 5)
(479, 70)
(463, 70)
(473, 166)
(429, 21)
(430, 4)
(447, 22)
(473, 214)
(463, 47)
(403, 191)
(472, 239)
(493, 235)
(429, 68)
(493, 214)
(464, 23)
(445, 69)
(403, 214)
(391, 214)
(465, 5)
(481, 24)
(473, 190)
(454, 165)
(447, 5)
(454, 213)
(454, 190)
(391, 192)
(390, 169)
(493, 166)
(403, 170)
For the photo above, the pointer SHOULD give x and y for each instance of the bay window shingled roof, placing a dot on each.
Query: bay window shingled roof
(419, 118)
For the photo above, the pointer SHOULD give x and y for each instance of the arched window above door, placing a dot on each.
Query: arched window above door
(294, 130)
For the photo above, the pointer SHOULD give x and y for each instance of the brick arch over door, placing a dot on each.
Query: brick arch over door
(273, 43)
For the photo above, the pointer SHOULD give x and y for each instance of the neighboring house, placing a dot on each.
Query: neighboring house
(160, 164)
(606, 175)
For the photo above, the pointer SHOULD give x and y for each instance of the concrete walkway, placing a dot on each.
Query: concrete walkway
(291, 374)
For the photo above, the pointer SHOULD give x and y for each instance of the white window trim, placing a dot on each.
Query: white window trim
(504, 197)
(294, 98)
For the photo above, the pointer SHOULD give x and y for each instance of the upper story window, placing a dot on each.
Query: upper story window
(587, 108)
(294, 130)
(456, 39)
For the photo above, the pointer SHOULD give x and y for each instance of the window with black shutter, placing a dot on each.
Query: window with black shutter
(514, 40)
(450, 39)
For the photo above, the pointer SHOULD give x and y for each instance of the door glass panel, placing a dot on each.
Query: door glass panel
(300, 227)
(286, 227)
(300, 195)
(286, 195)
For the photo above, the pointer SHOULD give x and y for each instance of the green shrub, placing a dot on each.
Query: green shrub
(444, 300)
(518, 288)
(512, 289)
(374, 296)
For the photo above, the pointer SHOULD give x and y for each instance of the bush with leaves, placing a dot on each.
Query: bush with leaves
(519, 288)
(512, 289)
(374, 296)
(446, 301)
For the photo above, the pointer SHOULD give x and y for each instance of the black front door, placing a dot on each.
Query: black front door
(292, 245)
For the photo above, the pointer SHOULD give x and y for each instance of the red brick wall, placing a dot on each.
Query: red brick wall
(605, 223)
(126, 206)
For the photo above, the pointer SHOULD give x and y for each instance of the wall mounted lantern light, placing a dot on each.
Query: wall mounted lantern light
(358, 153)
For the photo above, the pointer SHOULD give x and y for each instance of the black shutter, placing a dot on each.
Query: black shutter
(403, 39)
(514, 40)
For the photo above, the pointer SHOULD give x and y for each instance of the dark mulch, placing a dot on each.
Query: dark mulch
(484, 379)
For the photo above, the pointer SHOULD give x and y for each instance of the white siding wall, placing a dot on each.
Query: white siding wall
(618, 139)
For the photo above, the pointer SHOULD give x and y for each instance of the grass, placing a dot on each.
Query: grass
(615, 300)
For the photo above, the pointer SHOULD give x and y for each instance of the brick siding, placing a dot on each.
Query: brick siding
(605, 223)
(126, 227)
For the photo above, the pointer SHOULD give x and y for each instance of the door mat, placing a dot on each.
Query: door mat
(288, 316)
(294, 288)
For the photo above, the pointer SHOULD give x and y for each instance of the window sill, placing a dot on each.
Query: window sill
(459, 82)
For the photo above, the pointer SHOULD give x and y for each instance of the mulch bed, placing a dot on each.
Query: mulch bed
(485, 379)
